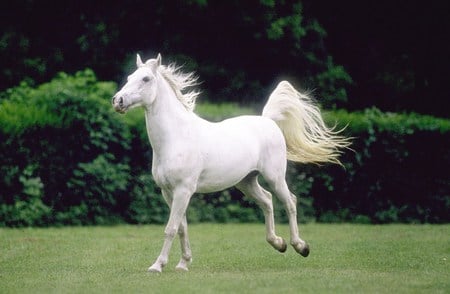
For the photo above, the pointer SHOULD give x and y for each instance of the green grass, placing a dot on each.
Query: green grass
(227, 259)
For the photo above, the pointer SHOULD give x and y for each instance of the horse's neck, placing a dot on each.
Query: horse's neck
(167, 119)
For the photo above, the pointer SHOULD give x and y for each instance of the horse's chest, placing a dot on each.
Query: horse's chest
(173, 171)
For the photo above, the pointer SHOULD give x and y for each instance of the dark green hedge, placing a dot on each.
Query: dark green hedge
(398, 172)
(67, 158)
(64, 156)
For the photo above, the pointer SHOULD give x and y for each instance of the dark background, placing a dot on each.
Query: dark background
(353, 54)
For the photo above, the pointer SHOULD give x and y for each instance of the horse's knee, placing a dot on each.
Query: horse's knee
(181, 231)
(266, 206)
(294, 199)
(291, 209)
(170, 232)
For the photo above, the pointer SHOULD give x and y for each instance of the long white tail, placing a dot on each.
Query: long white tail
(308, 139)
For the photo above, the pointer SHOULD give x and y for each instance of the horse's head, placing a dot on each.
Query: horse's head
(140, 89)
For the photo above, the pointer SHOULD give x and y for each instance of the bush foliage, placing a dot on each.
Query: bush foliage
(396, 174)
(62, 141)
(67, 158)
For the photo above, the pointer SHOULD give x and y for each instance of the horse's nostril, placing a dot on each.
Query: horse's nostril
(117, 100)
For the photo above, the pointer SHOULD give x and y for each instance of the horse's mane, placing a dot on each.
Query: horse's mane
(180, 83)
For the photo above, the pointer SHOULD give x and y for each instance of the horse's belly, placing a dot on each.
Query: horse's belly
(210, 184)
(223, 177)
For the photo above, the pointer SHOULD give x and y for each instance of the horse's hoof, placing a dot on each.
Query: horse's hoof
(283, 247)
(182, 266)
(305, 251)
(302, 250)
(154, 269)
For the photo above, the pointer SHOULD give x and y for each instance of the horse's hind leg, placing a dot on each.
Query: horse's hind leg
(250, 187)
(279, 186)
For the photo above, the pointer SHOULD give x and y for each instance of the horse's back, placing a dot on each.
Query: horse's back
(250, 131)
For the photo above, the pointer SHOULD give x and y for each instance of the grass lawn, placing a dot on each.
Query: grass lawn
(230, 258)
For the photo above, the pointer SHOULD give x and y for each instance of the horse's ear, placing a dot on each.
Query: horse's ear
(158, 60)
(139, 62)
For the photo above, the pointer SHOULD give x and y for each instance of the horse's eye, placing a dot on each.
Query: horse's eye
(146, 79)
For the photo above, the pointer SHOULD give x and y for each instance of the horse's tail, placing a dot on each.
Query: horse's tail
(308, 139)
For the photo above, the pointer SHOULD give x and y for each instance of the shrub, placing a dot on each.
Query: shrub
(67, 158)
(147, 204)
(396, 173)
(66, 129)
(28, 208)
(101, 186)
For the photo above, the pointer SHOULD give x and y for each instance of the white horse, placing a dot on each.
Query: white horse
(193, 155)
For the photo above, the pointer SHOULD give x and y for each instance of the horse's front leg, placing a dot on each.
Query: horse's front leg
(186, 254)
(180, 200)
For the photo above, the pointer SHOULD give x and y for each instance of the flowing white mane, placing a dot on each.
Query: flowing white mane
(180, 83)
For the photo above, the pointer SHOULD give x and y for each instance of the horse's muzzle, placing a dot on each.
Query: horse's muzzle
(118, 104)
